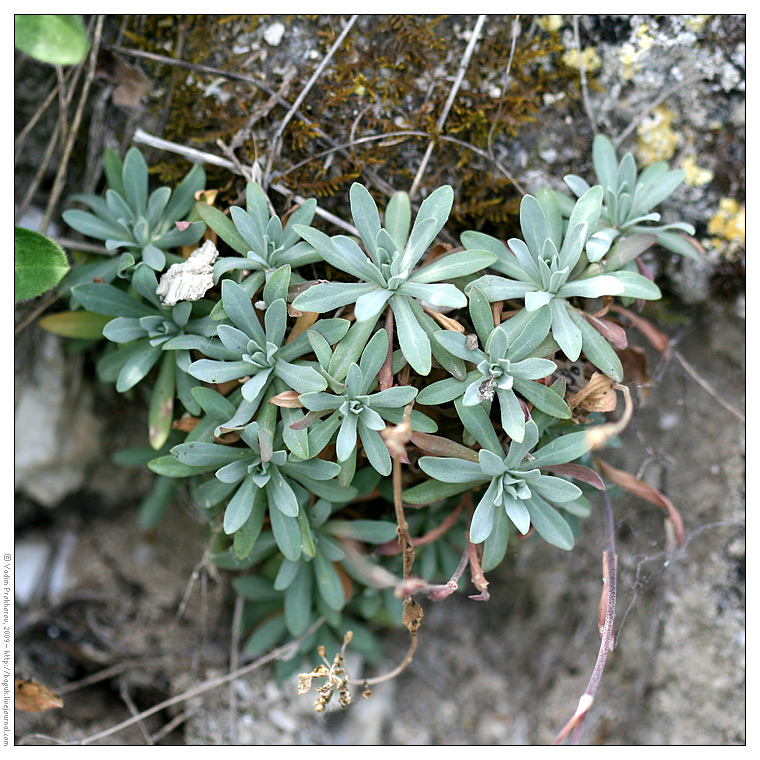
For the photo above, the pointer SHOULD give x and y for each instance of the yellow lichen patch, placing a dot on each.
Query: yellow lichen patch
(695, 175)
(644, 39)
(631, 52)
(727, 227)
(629, 57)
(549, 23)
(696, 23)
(590, 58)
(657, 139)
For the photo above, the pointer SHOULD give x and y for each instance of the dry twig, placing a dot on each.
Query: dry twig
(582, 72)
(575, 724)
(281, 653)
(707, 387)
(60, 176)
(464, 63)
(294, 108)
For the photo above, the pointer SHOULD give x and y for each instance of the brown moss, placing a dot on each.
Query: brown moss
(392, 75)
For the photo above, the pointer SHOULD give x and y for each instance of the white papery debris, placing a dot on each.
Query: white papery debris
(274, 33)
(190, 279)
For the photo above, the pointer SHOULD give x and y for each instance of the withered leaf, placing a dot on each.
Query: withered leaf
(579, 472)
(597, 395)
(287, 399)
(439, 446)
(32, 696)
(614, 333)
(447, 323)
(636, 368)
(132, 84)
(305, 319)
(658, 339)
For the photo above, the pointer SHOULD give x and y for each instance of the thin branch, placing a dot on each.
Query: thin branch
(103, 675)
(124, 694)
(31, 123)
(575, 724)
(261, 111)
(285, 652)
(294, 108)
(505, 80)
(582, 72)
(196, 67)
(484, 154)
(405, 133)
(656, 102)
(450, 100)
(385, 376)
(173, 724)
(199, 156)
(234, 650)
(192, 154)
(707, 387)
(39, 174)
(58, 183)
(63, 103)
(326, 215)
(47, 300)
(348, 146)
(55, 138)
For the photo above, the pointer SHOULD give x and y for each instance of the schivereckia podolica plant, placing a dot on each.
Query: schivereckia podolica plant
(361, 417)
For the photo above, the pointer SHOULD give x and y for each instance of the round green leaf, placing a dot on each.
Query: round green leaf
(51, 38)
(40, 264)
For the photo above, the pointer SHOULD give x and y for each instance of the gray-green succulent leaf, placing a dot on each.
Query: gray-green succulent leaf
(387, 272)
(516, 484)
(130, 218)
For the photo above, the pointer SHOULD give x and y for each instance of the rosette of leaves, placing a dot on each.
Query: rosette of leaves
(510, 364)
(550, 267)
(387, 272)
(516, 485)
(144, 329)
(353, 410)
(259, 355)
(145, 226)
(265, 480)
(261, 239)
(629, 197)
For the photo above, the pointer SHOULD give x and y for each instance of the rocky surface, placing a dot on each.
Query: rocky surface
(509, 671)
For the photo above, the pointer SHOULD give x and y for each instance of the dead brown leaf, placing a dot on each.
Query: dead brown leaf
(131, 83)
(304, 320)
(636, 368)
(32, 696)
(185, 424)
(597, 395)
(613, 332)
(447, 323)
(658, 340)
(287, 399)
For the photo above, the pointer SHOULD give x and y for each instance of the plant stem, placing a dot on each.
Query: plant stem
(575, 724)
